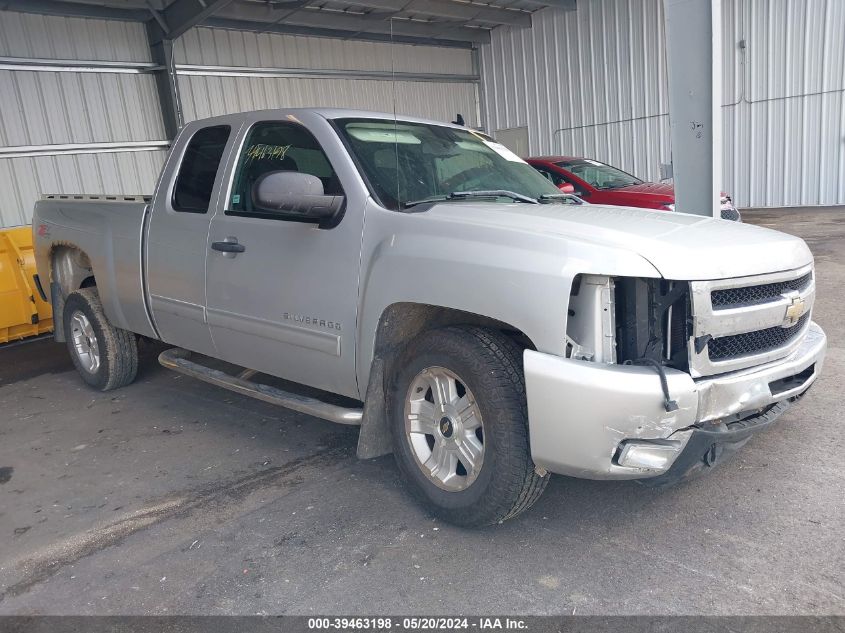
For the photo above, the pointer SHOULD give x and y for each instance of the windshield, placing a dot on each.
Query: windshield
(412, 162)
(598, 174)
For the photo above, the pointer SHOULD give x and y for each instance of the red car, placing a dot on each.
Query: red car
(599, 183)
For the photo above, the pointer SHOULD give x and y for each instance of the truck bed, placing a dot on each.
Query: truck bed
(97, 197)
(109, 229)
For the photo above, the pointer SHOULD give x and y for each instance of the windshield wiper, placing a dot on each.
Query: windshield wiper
(412, 203)
(463, 195)
(557, 197)
(492, 193)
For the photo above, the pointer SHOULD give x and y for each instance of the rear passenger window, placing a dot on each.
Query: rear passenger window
(195, 181)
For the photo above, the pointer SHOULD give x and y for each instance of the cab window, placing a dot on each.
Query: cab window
(195, 181)
(278, 146)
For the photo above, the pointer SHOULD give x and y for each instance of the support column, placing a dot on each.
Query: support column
(694, 59)
(481, 107)
(166, 83)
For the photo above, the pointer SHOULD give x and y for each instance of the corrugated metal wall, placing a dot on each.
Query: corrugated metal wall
(587, 82)
(98, 129)
(209, 96)
(593, 82)
(54, 120)
(784, 121)
(242, 48)
(208, 92)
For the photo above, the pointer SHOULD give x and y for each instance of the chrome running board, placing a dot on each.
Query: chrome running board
(179, 360)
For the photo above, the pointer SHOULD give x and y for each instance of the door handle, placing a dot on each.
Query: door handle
(229, 245)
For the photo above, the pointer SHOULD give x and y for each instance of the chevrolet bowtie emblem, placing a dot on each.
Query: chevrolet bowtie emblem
(794, 311)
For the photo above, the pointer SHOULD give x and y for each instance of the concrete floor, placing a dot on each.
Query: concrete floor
(171, 496)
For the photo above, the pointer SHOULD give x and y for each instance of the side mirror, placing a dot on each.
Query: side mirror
(566, 187)
(297, 197)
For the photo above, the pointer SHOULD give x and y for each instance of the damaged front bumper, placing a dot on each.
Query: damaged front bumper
(601, 421)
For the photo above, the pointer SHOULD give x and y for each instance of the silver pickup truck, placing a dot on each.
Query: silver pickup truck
(421, 281)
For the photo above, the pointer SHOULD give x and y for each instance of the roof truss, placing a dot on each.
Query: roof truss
(463, 23)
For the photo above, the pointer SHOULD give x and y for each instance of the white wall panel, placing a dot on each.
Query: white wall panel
(588, 82)
(593, 82)
(210, 96)
(23, 180)
(50, 37)
(39, 108)
(784, 107)
(204, 95)
(269, 50)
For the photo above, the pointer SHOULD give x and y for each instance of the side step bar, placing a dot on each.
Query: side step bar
(179, 360)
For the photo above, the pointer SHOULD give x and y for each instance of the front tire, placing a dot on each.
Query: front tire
(460, 426)
(105, 356)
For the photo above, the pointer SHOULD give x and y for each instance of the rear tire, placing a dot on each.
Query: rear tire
(465, 452)
(105, 356)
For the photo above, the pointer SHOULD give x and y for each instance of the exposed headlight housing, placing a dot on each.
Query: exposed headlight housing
(618, 319)
(590, 328)
(652, 320)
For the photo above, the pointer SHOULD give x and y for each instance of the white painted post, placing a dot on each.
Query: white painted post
(694, 59)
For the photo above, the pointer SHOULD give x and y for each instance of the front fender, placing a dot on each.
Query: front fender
(519, 278)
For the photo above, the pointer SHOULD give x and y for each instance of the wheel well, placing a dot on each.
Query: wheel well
(71, 268)
(399, 324)
(402, 322)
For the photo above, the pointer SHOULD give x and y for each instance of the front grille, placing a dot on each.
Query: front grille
(730, 214)
(738, 345)
(751, 333)
(753, 295)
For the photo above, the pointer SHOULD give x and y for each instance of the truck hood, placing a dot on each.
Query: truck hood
(679, 245)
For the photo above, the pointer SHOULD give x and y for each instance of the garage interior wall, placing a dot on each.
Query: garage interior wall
(55, 121)
(67, 127)
(593, 83)
(209, 92)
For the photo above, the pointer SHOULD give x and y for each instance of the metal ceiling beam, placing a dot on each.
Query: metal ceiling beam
(378, 24)
(308, 31)
(262, 18)
(182, 15)
(462, 11)
(353, 23)
(74, 10)
(566, 5)
(203, 70)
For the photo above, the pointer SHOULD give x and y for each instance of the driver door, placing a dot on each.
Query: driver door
(287, 304)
